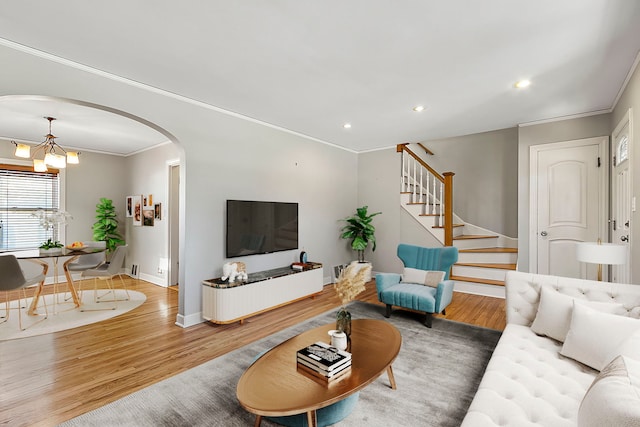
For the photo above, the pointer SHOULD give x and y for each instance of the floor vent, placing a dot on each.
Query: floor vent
(135, 273)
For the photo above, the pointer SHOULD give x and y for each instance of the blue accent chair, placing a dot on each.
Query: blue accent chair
(393, 291)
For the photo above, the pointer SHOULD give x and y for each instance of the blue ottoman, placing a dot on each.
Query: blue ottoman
(326, 416)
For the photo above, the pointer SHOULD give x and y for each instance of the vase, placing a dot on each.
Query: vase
(343, 321)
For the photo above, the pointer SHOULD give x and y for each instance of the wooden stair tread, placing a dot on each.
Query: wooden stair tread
(477, 280)
(487, 265)
(491, 250)
(442, 226)
(473, 236)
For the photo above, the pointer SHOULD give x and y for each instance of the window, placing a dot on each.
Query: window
(22, 193)
(622, 150)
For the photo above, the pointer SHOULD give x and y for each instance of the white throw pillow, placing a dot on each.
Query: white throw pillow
(593, 335)
(422, 277)
(413, 275)
(554, 313)
(432, 278)
(629, 347)
(614, 396)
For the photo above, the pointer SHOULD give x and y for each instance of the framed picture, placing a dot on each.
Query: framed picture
(158, 211)
(136, 201)
(129, 207)
(147, 217)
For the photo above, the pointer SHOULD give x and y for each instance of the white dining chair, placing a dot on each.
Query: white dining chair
(15, 278)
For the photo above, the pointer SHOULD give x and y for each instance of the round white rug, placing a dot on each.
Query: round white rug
(67, 317)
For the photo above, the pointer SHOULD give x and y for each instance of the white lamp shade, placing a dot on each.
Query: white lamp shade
(23, 150)
(601, 253)
(55, 160)
(39, 166)
(72, 157)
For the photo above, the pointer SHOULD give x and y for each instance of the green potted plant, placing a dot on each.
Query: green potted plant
(360, 230)
(105, 229)
(50, 245)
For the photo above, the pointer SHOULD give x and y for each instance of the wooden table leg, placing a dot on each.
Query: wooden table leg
(392, 379)
(72, 289)
(36, 295)
(258, 421)
(312, 420)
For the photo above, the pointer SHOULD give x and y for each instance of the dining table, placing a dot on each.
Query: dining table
(54, 255)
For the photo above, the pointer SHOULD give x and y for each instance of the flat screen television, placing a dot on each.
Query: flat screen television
(255, 227)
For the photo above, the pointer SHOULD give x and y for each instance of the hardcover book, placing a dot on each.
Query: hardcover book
(323, 372)
(312, 373)
(323, 355)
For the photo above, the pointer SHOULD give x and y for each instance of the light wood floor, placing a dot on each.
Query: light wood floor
(51, 378)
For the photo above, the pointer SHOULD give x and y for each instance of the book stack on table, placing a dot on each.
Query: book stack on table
(323, 361)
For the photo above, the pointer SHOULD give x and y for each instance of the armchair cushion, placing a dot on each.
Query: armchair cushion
(422, 277)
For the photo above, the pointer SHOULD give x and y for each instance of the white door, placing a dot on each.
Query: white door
(621, 201)
(568, 197)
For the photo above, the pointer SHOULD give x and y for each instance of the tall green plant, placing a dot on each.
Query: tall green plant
(360, 230)
(105, 229)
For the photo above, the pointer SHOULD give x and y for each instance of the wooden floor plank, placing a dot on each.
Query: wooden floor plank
(52, 378)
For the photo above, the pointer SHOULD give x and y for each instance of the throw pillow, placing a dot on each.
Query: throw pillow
(594, 335)
(432, 278)
(554, 313)
(614, 396)
(413, 275)
(629, 347)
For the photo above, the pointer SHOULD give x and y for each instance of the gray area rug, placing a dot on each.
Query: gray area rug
(437, 374)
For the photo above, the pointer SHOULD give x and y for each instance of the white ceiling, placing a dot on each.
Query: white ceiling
(310, 66)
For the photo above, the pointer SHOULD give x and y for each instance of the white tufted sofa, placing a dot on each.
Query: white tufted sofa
(527, 381)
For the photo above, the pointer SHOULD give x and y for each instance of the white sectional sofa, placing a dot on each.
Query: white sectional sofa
(587, 374)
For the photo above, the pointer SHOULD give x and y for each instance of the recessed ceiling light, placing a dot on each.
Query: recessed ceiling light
(418, 108)
(522, 84)
(347, 125)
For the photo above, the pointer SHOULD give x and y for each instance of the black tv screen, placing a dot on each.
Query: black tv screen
(255, 227)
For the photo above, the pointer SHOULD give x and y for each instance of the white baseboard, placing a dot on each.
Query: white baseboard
(160, 281)
(190, 320)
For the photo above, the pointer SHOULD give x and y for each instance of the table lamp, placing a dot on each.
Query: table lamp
(601, 253)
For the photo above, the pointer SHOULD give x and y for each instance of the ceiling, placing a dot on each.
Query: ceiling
(312, 66)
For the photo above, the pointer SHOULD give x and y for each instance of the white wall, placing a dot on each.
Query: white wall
(223, 156)
(564, 130)
(147, 173)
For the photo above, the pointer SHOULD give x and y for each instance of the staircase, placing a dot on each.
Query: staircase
(484, 256)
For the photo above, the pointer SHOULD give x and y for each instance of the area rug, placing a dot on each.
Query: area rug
(437, 374)
(66, 316)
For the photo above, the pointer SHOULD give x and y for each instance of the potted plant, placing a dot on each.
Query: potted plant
(360, 230)
(105, 229)
(50, 246)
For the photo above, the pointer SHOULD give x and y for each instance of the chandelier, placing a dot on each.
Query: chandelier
(52, 154)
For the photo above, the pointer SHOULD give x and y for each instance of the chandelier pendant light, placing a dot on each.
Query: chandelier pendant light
(53, 154)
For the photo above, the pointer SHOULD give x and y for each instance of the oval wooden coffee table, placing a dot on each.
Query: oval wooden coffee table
(273, 386)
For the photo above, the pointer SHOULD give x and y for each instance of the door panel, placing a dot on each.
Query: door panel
(621, 198)
(569, 205)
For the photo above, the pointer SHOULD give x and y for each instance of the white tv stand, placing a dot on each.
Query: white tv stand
(224, 303)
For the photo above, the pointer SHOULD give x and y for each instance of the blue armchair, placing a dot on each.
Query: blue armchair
(394, 289)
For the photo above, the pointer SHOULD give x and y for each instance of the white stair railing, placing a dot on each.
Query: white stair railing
(429, 188)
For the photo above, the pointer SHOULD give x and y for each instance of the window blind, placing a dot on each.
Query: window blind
(23, 192)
